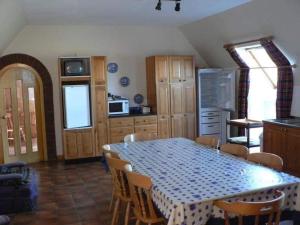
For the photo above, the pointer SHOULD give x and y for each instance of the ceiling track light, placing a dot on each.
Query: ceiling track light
(177, 5)
(158, 6)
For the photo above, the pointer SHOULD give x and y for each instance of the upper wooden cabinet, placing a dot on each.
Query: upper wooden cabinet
(162, 69)
(283, 141)
(98, 65)
(176, 69)
(188, 68)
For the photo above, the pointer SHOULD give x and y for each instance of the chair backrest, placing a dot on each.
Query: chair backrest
(236, 150)
(210, 141)
(118, 173)
(267, 159)
(271, 208)
(140, 192)
(139, 137)
(107, 149)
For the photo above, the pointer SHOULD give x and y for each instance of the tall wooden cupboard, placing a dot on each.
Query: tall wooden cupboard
(171, 94)
(87, 142)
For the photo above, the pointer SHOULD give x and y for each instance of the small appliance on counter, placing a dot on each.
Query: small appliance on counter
(146, 109)
(117, 105)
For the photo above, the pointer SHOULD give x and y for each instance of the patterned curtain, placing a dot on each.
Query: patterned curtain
(285, 79)
(243, 84)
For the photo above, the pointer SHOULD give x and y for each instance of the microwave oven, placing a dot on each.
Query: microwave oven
(75, 66)
(118, 106)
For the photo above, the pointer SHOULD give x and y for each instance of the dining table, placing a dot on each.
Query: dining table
(188, 177)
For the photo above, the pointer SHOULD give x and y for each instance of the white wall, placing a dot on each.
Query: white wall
(128, 46)
(11, 21)
(255, 19)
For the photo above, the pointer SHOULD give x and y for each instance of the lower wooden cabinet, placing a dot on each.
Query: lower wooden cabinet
(177, 124)
(283, 141)
(163, 127)
(78, 143)
(184, 125)
(120, 127)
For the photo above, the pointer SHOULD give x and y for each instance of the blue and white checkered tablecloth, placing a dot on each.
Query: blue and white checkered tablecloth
(187, 177)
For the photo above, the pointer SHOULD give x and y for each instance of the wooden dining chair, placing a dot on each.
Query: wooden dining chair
(210, 141)
(120, 187)
(108, 149)
(271, 209)
(236, 150)
(143, 136)
(266, 159)
(140, 192)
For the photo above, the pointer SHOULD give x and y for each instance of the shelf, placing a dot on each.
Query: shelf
(243, 141)
(76, 78)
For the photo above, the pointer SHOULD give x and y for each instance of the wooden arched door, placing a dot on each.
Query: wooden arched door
(21, 122)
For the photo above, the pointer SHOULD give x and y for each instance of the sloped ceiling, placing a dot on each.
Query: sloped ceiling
(12, 20)
(252, 20)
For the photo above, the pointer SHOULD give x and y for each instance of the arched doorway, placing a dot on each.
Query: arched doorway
(42, 76)
(22, 124)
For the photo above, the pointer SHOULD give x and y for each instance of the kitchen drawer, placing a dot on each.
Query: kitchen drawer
(117, 139)
(213, 128)
(121, 122)
(210, 114)
(119, 131)
(210, 119)
(149, 128)
(145, 120)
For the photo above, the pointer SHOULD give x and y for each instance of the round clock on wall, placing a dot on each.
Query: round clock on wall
(112, 67)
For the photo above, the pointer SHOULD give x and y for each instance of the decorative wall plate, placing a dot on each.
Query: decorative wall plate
(112, 67)
(124, 81)
(138, 99)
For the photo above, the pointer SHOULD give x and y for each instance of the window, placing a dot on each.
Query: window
(263, 84)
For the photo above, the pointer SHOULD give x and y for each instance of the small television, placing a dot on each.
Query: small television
(75, 66)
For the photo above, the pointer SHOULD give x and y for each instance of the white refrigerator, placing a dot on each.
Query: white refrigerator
(77, 107)
(216, 90)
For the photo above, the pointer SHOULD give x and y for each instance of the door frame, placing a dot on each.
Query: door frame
(41, 127)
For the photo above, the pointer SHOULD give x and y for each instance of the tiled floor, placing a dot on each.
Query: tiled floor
(76, 194)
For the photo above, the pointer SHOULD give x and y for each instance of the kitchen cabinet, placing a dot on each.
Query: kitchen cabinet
(78, 143)
(99, 75)
(163, 126)
(284, 141)
(121, 126)
(163, 105)
(162, 69)
(177, 123)
(176, 98)
(87, 142)
(174, 102)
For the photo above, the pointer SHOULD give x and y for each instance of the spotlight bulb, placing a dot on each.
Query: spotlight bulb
(177, 6)
(158, 6)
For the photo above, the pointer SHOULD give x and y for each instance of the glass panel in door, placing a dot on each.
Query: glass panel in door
(9, 121)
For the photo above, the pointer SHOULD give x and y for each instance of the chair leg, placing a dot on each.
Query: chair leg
(111, 202)
(127, 213)
(115, 214)
(137, 222)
